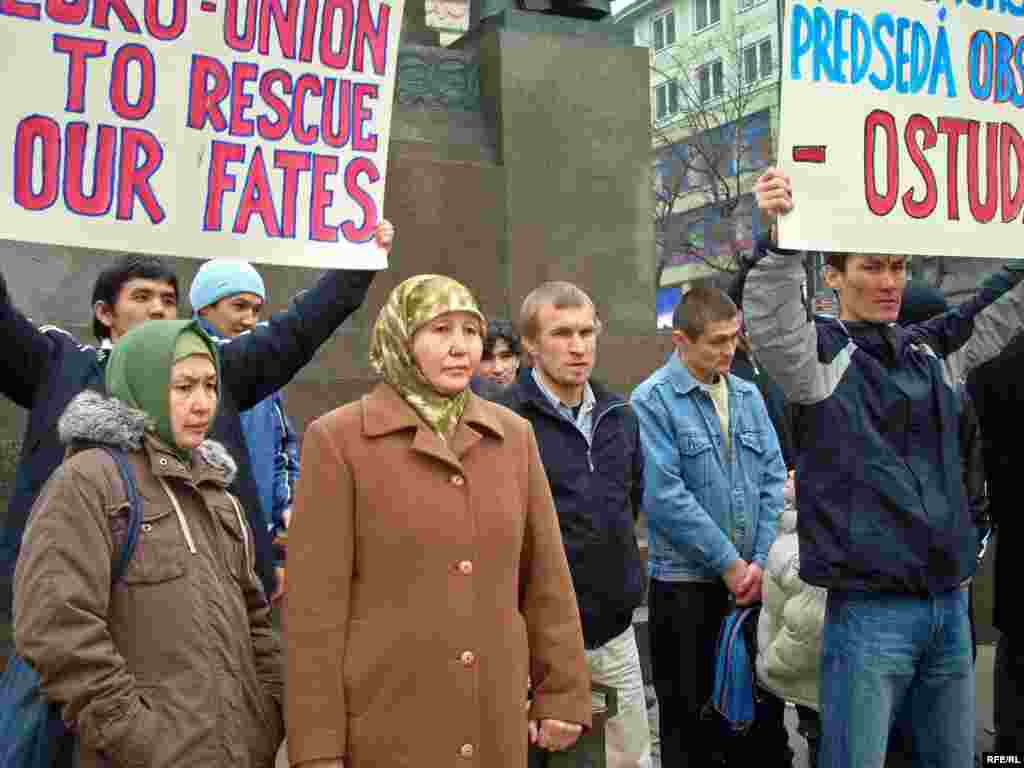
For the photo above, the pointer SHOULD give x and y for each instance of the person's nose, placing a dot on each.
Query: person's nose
(248, 319)
(157, 309)
(459, 344)
(203, 403)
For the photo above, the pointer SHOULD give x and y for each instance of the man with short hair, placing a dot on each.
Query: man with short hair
(713, 495)
(884, 521)
(42, 369)
(227, 296)
(590, 445)
(500, 361)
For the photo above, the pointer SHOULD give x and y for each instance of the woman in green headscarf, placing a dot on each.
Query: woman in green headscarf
(427, 576)
(176, 663)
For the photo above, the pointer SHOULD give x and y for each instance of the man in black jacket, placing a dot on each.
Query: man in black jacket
(999, 398)
(42, 369)
(589, 442)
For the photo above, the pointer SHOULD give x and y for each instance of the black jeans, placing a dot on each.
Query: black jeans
(1009, 694)
(684, 621)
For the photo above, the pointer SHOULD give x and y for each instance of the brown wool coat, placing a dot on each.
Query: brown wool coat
(425, 585)
(177, 665)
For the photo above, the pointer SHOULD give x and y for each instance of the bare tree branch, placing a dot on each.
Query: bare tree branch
(704, 151)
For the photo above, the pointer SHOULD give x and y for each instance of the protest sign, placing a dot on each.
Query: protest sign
(253, 129)
(901, 126)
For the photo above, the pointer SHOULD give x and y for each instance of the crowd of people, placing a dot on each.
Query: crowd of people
(457, 562)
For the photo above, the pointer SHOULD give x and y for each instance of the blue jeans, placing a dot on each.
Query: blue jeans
(885, 653)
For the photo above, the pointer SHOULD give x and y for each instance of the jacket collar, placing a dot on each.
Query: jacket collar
(528, 391)
(684, 382)
(886, 342)
(210, 462)
(679, 375)
(93, 418)
(385, 412)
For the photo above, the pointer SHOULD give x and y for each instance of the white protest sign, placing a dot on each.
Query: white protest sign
(902, 126)
(253, 129)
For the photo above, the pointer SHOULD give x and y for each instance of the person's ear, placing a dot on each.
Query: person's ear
(679, 338)
(833, 277)
(104, 313)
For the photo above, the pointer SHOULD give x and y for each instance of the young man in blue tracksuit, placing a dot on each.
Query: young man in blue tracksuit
(228, 296)
(590, 444)
(884, 520)
(42, 369)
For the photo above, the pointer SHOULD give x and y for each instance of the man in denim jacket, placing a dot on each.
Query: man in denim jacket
(713, 494)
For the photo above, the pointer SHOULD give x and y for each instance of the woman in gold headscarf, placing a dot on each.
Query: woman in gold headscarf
(427, 576)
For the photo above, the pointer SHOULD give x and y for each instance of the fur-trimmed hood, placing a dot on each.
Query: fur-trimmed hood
(96, 418)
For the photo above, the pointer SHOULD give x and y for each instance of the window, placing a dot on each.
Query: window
(767, 62)
(666, 99)
(711, 80)
(755, 142)
(663, 30)
(757, 61)
(706, 13)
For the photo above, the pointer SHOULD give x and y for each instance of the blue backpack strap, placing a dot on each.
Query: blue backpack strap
(134, 510)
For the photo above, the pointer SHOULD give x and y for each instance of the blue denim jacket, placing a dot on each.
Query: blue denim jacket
(706, 508)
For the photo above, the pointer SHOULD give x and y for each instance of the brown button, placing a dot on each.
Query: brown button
(458, 480)
(468, 658)
(467, 750)
(466, 567)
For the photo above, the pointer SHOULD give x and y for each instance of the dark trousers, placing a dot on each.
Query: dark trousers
(684, 621)
(1009, 694)
(810, 729)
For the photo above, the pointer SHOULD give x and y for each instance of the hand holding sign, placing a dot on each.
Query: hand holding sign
(385, 235)
(774, 193)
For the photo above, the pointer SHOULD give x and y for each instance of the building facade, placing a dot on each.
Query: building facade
(714, 116)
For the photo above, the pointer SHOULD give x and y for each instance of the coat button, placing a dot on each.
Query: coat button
(468, 658)
(467, 750)
(458, 480)
(163, 462)
(466, 567)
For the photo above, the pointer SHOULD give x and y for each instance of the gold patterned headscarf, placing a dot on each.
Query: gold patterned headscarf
(411, 305)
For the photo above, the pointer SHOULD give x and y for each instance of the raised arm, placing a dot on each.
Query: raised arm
(26, 352)
(785, 341)
(979, 329)
(265, 359)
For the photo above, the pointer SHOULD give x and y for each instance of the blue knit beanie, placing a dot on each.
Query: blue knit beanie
(224, 277)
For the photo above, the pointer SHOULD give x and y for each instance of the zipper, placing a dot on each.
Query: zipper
(593, 432)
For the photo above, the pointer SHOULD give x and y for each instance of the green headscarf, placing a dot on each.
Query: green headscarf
(411, 305)
(139, 370)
